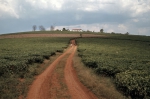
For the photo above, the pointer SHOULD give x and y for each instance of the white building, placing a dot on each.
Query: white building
(77, 30)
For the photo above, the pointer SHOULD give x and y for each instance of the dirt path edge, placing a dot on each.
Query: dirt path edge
(39, 87)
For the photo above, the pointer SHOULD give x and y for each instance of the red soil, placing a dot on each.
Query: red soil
(42, 87)
(77, 90)
(48, 35)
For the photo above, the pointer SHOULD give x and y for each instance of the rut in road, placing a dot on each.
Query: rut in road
(59, 80)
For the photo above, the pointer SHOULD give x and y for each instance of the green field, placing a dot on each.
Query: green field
(124, 58)
(52, 32)
(17, 57)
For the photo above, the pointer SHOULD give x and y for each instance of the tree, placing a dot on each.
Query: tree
(58, 30)
(52, 28)
(41, 28)
(68, 30)
(127, 33)
(101, 30)
(34, 27)
(64, 29)
(88, 31)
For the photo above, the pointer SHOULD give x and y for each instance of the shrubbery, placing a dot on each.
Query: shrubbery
(17, 57)
(126, 60)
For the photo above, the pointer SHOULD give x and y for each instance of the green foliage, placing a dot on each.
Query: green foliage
(125, 58)
(7, 86)
(64, 29)
(16, 59)
(136, 83)
(101, 30)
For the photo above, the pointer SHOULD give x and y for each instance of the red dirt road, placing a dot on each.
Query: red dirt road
(41, 88)
(77, 90)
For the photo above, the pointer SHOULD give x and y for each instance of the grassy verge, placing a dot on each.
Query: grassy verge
(102, 86)
(123, 58)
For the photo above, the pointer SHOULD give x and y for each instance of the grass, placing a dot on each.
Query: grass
(102, 86)
(120, 61)
(50, 32)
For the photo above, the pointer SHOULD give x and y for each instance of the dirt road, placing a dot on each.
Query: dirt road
(59, 80)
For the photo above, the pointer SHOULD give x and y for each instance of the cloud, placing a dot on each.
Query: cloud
(46, 4)
(7, 8)
(16, 7)
(135, 7)
(117, 15)
(122, 27)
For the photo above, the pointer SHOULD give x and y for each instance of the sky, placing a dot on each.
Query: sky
(119, 16)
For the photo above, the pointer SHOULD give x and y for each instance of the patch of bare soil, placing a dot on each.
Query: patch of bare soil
(48, 35)
(58, 87)
(59, 80)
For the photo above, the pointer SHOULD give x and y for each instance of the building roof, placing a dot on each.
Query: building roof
(76, 29)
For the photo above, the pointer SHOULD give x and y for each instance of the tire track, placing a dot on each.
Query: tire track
(76, 88)
(47, 85)
(40, 87)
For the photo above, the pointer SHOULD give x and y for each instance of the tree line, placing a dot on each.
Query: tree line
(52, 28)
(42, 28)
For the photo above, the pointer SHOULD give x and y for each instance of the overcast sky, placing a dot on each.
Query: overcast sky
(119, 16)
